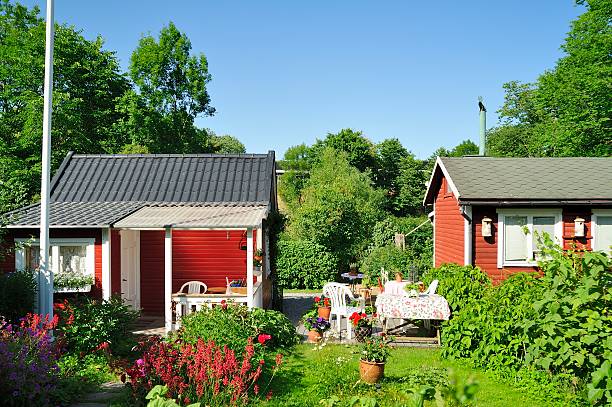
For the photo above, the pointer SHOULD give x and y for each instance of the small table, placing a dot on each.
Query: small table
(352, 278)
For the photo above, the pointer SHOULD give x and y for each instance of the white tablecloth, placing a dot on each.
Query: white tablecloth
(431, 306)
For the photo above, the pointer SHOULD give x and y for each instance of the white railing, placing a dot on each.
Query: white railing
(188, 303)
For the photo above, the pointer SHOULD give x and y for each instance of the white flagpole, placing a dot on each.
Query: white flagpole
(45, 285)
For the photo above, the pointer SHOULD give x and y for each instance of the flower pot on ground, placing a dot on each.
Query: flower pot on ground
(362, 324)
(323, 306)
(315, 325)
(374, 355)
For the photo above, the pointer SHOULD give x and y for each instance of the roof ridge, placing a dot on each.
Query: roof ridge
(202, 155)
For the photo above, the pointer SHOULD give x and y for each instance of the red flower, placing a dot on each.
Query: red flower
(317, 299)
(263, 338)
(223, 304)
(326, 302)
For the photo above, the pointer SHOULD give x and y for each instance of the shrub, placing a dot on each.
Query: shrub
(304, 264)
(28, 361)
(458, 284)
(88, 324)
(418, 232)
(17, 294)
(202, 372)
(234, 326)
(389, 257)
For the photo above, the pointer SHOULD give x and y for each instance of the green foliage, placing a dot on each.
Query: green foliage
(411, 187)
(360, 151)
(339, 208)
(225, 144)
(304, 264)
(389, 257)
(572, 328)
(157, 398)
(389, 154)
(80, 375)
(88, 323)
(17, 294)
(232, 325)
(460, 285)
(72, 280)
(376, 349)
(566, 112)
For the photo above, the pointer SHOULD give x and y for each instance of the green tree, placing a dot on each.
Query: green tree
(87, 82)
(225, 144)
(360, 151)
(297, 163)
(171, 93)
(411, 187)
(389, 154)
(339, 207)
(568, 111)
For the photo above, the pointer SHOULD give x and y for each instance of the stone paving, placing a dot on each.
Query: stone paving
(107, 393)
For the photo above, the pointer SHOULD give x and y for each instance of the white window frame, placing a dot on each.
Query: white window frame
(54, 245)
(529, 213)
(594, 225)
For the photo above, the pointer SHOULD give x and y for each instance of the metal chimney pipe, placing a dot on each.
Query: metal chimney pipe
(483, 126)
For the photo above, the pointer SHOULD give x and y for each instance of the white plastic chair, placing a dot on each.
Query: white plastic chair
(432, 288)
(338, 294)
(194, 287)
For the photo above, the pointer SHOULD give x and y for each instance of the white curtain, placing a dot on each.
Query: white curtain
(515, 239)
(603, 233)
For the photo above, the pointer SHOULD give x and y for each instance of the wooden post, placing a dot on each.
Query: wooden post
(249, 267)
(106, 264)
(168, 278)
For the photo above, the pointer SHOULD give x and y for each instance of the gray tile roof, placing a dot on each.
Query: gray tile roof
(243, 178)
(99, 190)
(531, 179)
(71, 214)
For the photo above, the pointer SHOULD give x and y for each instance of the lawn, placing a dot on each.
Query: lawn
(311, 374)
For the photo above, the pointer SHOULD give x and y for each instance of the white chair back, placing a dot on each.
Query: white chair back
(384, 276)
(337, 294)
(432, 288)
(194, 287)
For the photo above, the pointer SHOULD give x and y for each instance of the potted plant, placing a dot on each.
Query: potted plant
(374, 355)
(258, 259)
(316, 326)
(362, 324)
(353, 269)
(323, 306)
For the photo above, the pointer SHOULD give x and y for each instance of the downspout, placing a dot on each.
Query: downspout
(466, 212)
(483, 126)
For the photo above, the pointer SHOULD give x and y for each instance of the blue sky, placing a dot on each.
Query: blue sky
(288, 72)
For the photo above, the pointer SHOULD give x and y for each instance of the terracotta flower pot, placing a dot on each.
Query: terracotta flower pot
(324, 312)
(314, 336)
(371, 372)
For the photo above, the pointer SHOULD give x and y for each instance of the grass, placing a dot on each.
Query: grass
(300, 291)
(312, 374)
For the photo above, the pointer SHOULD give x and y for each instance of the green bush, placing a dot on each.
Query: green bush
(458, 284)
(86, 324)
(233, 325)
(304, 264)
(17, 294)
(389, 257)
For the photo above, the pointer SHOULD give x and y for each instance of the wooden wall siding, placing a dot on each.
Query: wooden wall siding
(152, 271)
(448, 223)
(9, 263)
(484, 250)
(7, 254)
(115, 262)
(569, 241)
(208, 256)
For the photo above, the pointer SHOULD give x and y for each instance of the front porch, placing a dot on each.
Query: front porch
(156, 250)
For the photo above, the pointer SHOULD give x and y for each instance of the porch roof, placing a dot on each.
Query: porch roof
(194, 217)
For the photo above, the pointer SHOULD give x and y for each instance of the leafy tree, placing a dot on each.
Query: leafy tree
(360, 151)
(225, 144)
(297, 163)
(339, 207)
(389, 153)
(87, 82)
(171, 94)
(411, 181)
(567, 112)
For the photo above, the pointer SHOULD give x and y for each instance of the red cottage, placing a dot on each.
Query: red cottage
(486, 209)
(144, 225)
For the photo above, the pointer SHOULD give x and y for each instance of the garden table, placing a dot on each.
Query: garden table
(352, 279)
(422, 306)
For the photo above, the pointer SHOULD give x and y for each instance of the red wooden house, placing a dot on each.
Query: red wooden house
(143, 225)
(486, 210)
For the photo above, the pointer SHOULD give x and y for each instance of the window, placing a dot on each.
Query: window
(448, 190)
(601, 226)
(67, 256)
(517, 245)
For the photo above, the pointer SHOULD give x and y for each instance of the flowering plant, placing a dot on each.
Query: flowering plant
(28, 358)
(203, 372)
(317, 324)
(322, 301)
(362, 320)
(376, 349)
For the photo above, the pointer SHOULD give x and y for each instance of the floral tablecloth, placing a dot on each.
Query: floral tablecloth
(405, 307)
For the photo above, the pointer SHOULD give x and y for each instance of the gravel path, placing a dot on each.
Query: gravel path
(296, 305)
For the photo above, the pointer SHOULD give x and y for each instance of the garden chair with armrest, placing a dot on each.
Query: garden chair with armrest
(340, 297)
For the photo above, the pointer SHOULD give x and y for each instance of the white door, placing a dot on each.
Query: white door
(130, 267)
